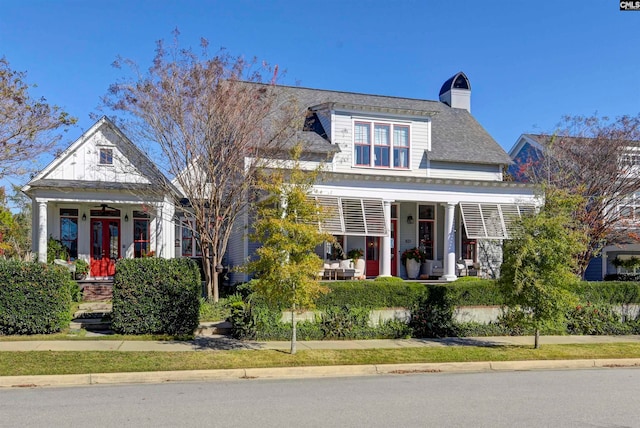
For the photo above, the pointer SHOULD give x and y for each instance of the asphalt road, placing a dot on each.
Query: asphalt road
(572, 398)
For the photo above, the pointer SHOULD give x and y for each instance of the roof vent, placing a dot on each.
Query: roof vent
(456, 92)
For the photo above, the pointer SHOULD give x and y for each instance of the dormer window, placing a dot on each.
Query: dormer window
(106, 157)
(381, 145)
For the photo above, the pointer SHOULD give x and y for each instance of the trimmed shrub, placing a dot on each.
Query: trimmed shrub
(156, 296)
(609, 292)
(382, 293)
(34, 298)
(433, 317)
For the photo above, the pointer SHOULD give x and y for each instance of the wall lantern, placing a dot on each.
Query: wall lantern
(126, 217)
(84, 217)
(410, 219)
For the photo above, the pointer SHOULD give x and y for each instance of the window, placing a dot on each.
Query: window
(400, 146)
(389, 146)
(190, 244)
(69, 231)
(106, 156)
(382, 146)
(426, 217)
(629, 208)
(363, 144)
(468, 246)
(141, 242)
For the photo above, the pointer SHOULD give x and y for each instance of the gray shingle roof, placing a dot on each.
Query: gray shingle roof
(456, 135)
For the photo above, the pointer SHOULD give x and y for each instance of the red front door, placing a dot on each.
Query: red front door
(373, 256)
(105, 246)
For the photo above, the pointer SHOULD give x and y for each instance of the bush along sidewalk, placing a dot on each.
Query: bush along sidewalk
(156, 296)
(432, 312)
(34, 298)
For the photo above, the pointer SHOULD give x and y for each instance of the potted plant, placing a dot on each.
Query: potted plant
(82, 269)
(355, 254)
(412, 259)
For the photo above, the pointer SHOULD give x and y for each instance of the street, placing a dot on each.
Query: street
(572, 398)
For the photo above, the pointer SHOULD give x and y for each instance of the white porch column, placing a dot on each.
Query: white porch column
(386, 242)
(449, 243)
(42, 230)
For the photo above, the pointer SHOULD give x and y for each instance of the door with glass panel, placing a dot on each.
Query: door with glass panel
(105, 246)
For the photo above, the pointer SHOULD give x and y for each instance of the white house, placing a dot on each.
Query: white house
(99, 197)
(399, 173)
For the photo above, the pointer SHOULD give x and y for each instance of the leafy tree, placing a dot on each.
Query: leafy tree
(541, 259)
(287, 226)
(596, 158)
(26, 124)
(214, 123)
(15, 228)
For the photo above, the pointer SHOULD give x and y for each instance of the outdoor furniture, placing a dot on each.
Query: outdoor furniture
(434, 267)
(466, 268)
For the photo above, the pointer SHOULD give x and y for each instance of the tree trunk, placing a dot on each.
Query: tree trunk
(536, 342)
(293, 329)
(210, 276)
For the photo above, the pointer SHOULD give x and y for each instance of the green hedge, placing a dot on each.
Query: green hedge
(156, 296)
(372, 294)
(34, 298)
(609, 292)
(432, 307)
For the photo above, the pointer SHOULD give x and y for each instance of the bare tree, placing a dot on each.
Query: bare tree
(215, 123)
(27, 125)
(598, 159)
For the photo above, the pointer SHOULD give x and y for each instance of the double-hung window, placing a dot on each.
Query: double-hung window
(141, 235)
(400, 146)
(69, 231)
(382, 145)
(363, 143)
(389, 147)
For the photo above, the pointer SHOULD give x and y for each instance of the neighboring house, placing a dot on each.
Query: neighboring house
(398, 173)
(528, 152)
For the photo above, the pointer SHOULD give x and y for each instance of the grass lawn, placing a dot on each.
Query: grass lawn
(68, 362)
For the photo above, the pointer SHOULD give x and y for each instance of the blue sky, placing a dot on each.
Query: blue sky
(529, 63)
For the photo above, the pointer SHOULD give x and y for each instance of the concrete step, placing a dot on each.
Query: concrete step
(95, 306)
(90, 324)
(213, 328)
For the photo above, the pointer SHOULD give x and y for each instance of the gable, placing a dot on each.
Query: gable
(103, 154)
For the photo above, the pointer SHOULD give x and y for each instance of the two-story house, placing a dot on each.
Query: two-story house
(621, 209)
(398, 173)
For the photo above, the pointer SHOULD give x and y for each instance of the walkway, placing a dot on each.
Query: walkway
(223, 343)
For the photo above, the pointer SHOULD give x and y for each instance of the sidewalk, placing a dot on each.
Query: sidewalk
(224, 343)
(219, 343)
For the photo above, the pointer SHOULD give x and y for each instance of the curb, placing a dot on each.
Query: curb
(305, 372)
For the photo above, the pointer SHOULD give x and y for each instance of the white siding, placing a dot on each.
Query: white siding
(83, 163)
(343, 137)
(465, 171)
(237, 249)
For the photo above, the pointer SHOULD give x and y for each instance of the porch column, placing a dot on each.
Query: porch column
(386, 241)
(42, 230)
(449, 243)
